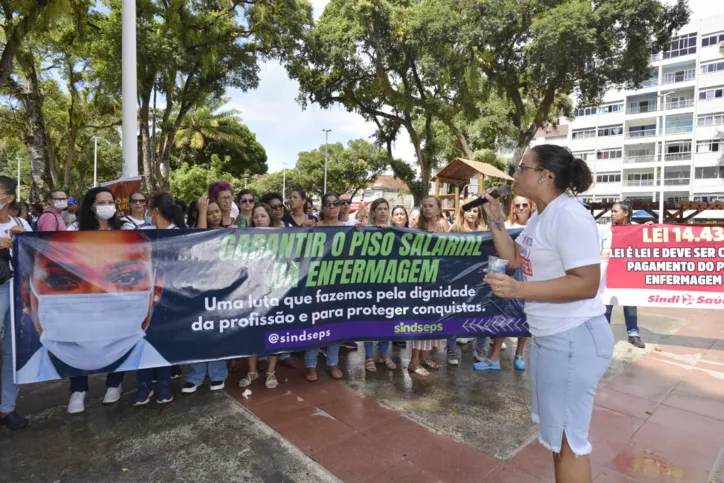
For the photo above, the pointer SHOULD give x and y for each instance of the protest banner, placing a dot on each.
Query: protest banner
(123, 189)
(94, 302)
(663, 265)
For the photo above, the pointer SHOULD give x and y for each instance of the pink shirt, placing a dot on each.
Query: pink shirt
(47, 223)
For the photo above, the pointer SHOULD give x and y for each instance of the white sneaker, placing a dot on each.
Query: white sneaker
(113, 394)
(77, 402)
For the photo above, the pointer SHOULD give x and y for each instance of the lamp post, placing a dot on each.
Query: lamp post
(326, 153)
(95, 161)
(663, 157)
(129, 86)
(18, 179)
(284, 184)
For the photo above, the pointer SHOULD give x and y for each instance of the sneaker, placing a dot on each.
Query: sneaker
(452, 357)
(636, 341)
(401, 344)
(113, 394)
(217, 385)
(14, 421)
(76, 404)
(143, 395)
(176, 373)
(164, 394)
(480, 355)
(350, 346)
(189, 388)
(519, 363)
(487, 365)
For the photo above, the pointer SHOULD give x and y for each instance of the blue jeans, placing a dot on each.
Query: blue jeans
(310, 357)
(80, 383)
(630, 315)
(10, 390)
(480, 342)
(197, 372)
(565, 369)
(370, 349)
(145, 376)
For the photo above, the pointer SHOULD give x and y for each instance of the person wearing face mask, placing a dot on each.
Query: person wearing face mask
(51, 219)
(70, 283)
(9, 227)
(210, 217)
(68, 215)
(137, 219)
(164, 214)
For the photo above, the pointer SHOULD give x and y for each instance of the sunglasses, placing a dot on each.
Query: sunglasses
(522, 205)
(345, 202)
(329, 204)
(138, 202)
(276, 207)
(246, 200)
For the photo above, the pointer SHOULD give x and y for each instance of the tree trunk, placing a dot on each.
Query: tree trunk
(148, 165)
(69, 157)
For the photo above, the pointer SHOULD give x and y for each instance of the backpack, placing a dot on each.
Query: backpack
(6, 266)
(57, 225)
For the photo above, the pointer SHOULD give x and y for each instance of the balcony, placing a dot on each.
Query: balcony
(675, 78)
(646, 133)
(644, 158)
(679, 104)
(650, 83)
(679, 130)
(677, 157)
(655, 57)
(676, 182)
(641, 109)
(641, 182)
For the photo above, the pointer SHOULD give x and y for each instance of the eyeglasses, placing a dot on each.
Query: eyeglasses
(329, 204)
(138, 202)
(225, 198)
(276, 207)
(345, 202)
(244, 200)
(522, 205)
(60, 199)
(522, 167)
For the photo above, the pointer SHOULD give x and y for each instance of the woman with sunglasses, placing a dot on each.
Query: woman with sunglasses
(328, 217)
(223, 193)
(429, 221)
(276, 205)
(246, 206)
(136, 218)
(297, 215)
(466, 222)
(519, 213)
(559, 254)
(379, 216)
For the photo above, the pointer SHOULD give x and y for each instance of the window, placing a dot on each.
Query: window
(610, 108)
(712, 67)
(608, 178)
(709, 146)
(584, 133)
(679, 76)
(682, 147)
(585, 111)
(709, 40)
(610, 131)
(679, 124)
(709, 94)
(642, 131)
(584, 155)
(643, 106)
(676, 199)
(710, 172)
(640, 179)
(710, 119)
(708, 197)
(611, 154)
(682, 45)
(561, 140)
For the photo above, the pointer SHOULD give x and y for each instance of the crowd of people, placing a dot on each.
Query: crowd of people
(556, 274)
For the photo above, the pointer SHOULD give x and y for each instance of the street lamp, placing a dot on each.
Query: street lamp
(663, 157)
(284, 184)
(95, 160)
(326, 153)
(129, 89)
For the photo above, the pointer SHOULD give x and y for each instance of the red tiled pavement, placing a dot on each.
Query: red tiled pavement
(661, 420)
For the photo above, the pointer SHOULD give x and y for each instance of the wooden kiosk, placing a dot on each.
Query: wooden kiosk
(458, 173)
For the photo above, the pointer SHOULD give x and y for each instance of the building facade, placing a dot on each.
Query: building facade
(671, 129)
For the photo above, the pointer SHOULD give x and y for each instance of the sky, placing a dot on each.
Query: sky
(285, 129)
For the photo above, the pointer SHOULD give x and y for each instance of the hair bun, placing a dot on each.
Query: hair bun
(581, 177)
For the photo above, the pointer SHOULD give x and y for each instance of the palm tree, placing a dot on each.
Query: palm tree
(204, 123)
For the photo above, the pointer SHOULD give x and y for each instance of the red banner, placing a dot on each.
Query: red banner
(122, 189)
(665, 265)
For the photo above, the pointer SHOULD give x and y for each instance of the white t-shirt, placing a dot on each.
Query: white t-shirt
(513, 225)
(351, 222)
(131, 223)
(563, 237)
(10, 224)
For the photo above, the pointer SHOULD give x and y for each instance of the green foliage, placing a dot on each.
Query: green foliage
(190, 182)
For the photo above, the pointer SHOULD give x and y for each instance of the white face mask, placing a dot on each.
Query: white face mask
(60, 204)
(74, 333)
(105, 212)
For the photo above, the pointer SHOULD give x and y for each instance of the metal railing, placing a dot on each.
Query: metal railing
(655, 57)
(643, 158)
(641, 182)
(680, 104)
(646, 133)
(677, 157)
(650, 83)
(688, 75)
(642, 109)
(676, 181)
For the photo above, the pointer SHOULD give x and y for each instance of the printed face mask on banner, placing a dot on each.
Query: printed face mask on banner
(73, 333)
(105, 212)
(60, 204)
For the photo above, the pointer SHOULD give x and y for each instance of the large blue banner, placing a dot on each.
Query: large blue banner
(94, 302)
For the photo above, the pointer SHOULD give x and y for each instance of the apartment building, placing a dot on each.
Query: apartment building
(672, 129)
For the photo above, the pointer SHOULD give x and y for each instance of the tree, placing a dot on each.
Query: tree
(538, 53)
(191, 50)
(189, 182)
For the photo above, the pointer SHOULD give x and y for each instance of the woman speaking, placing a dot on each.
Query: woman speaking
(559, 255)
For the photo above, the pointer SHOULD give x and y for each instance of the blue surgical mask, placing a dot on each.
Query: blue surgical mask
(148, 219)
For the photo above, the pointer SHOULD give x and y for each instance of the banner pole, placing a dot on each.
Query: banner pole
(129, 90)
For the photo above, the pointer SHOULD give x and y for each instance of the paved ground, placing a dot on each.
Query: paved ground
(659, 417)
